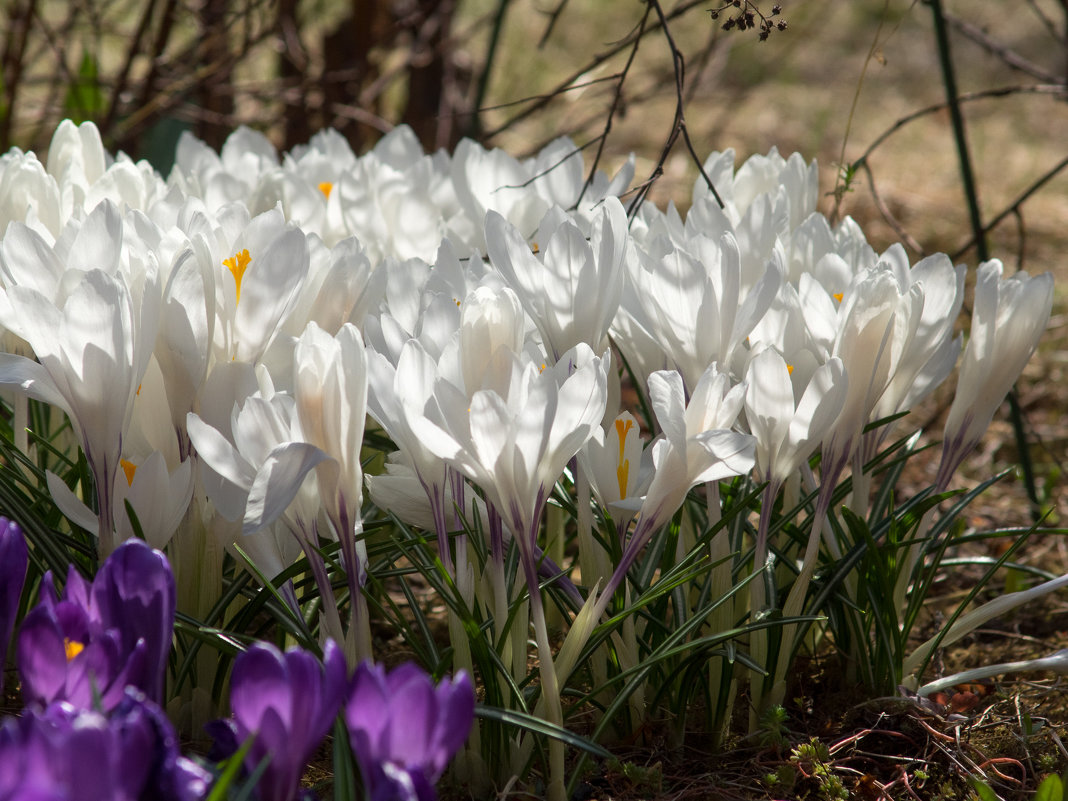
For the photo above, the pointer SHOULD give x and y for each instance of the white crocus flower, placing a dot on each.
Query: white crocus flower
(925, 359)
(91, 354)
(788, 431)
(1007, 321)
(515, 448)
(492, 180)
(396, 394)
(260, 476)
(259, 277)
(233, 174)
(76, 159)
(694, 306)
(618, 468)
(159, 498)
(331, 398)
(560, 177)
(571, 289)
(697, 447)
(28, 194)
(874, 314)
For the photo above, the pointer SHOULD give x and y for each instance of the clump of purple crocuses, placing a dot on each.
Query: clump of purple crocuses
(404, 731)
(91, 662)
(89, 644)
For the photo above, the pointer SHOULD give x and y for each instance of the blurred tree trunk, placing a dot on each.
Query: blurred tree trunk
(428, 111)
(214, 94)
(348, 67)
(299, 120)
(18, 27)
(353, 70)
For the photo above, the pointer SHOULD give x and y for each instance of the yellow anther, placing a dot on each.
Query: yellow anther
(129, 468)
(534, 247)
(838, 296)
(237, 265)
(326, 187)
(72, 648)
(622, 473)
(623, 469)
(790, 369)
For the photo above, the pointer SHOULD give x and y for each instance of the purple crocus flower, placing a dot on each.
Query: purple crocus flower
(63, 753)
(89, 644)
(289, 702)
(404, 730)
(13, 560)
(134, 592)
(65, 655)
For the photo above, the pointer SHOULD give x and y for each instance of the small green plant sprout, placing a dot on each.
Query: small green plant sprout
(815, 769)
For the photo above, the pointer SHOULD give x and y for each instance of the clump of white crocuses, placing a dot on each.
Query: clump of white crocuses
(245, 346)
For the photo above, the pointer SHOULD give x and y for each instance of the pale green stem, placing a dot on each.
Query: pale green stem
(912, 556)
(591, 560)
(722, 617)
(793, 607)
(550, 690)
(555, 522)
(758, 602)
(21, 405)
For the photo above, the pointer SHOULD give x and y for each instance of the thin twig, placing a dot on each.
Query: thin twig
(617, 99)
(678, 124)
(1013, 207)
(910, 241)
(1055, 90)
(1005, 53)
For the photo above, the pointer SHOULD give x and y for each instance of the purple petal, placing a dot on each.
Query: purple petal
(13, 561)
(42, 657)
(456, 705)
(260, 682)
(134, 592)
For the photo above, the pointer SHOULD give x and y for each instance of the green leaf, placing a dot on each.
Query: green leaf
(1051, 789)
(982, 789)
(344, 775)
(222, 786)
(538, 726)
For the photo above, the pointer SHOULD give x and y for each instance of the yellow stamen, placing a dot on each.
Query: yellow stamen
(72, 648)
(326, 187)
(790, 369)
(623, 470)
(534, 247)
(838, 296)
(237, 265)
(129, 468)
